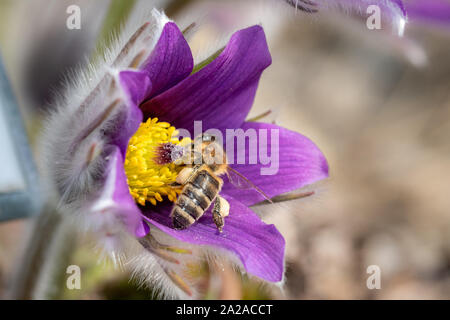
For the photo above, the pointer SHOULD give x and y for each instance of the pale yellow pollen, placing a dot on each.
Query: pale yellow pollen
(148, 180)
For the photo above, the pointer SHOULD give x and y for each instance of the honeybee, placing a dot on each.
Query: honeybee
(202, 184)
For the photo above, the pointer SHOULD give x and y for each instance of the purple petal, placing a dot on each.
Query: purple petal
(400, 5)
(259, 246)
(115, 198)
(300, 163)
(135, 85)
(170, 61)
(437, 11)
(220, 94)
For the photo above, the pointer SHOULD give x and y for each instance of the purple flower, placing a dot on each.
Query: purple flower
(394, 15)
(392, 11)
(431, 11)
(98, 138)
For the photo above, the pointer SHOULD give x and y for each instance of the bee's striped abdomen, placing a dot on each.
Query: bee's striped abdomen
(207, 183)
(195, 198)
(189, 206)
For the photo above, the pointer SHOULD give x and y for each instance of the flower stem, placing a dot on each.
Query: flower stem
(42, 265)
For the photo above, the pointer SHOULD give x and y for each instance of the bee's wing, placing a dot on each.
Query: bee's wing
(241, 182)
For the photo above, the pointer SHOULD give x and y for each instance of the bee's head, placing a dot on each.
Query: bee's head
(205, 138)
(208, 137)
(209, 149)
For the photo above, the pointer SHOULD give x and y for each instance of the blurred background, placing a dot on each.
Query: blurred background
(377, 105)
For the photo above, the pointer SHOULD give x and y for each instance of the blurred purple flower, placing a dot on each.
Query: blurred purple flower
(395, 14)
(392, 11)
(149, 74)
(431, 11)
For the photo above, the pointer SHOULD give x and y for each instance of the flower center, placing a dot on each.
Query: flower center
(149, 163)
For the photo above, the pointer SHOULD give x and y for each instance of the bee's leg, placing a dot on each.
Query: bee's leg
(220, 211)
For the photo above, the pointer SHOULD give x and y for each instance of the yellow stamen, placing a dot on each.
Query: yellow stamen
(149, 178)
